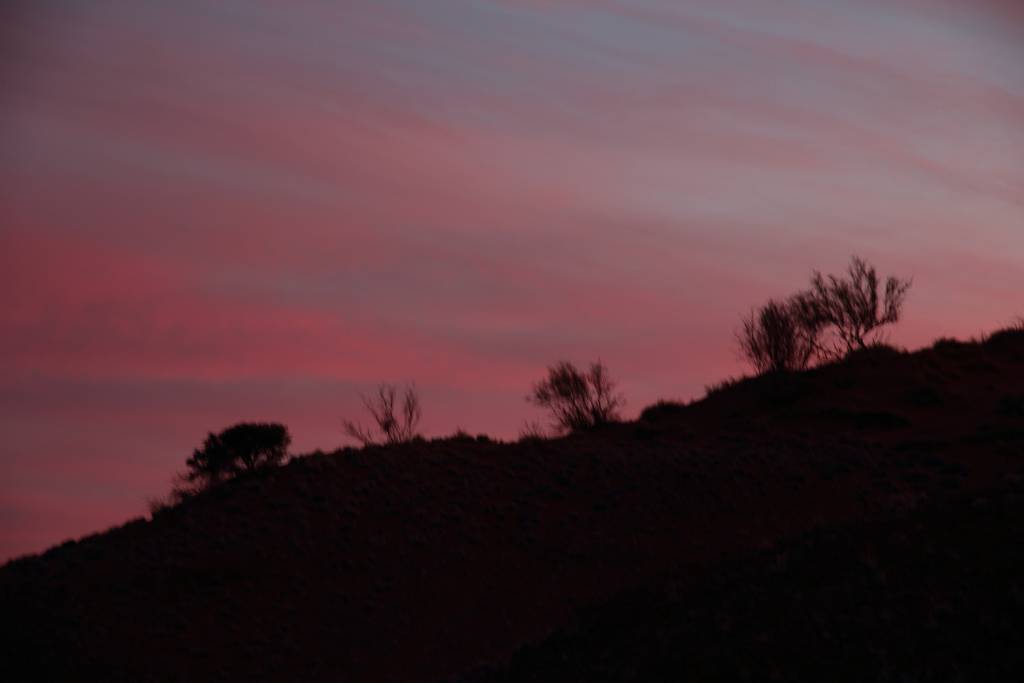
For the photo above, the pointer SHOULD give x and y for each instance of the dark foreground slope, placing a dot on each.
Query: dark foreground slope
(422, 562)
(934, 594)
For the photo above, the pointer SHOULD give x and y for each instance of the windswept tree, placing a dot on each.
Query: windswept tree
(778, 337)
(396, 417)
(836, 316)
(245, 447)
(853, 308)
(578, 400)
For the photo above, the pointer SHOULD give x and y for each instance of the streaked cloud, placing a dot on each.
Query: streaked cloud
(212, 211)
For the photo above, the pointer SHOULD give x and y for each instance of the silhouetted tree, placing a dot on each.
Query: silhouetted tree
(245, 447)
(393, 427)
(578, 400)
(779, 336)
(853, 308)
(835, 316)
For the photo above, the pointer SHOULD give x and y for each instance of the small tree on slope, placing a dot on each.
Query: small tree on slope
(395, 423)
(245, 447)
(777, 338)
(578, 400)
(853, 308)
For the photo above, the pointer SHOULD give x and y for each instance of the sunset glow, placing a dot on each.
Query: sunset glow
(213, 212)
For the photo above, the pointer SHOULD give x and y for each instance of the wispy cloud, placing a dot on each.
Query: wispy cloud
(227, 207)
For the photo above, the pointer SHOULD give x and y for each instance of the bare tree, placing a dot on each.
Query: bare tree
(578, 400)
(779, 336)
(835, 316)
(396, 423)
(853, 308)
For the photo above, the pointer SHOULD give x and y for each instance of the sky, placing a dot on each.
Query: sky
(258, 209)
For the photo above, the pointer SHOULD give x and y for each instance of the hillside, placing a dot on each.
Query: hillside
(933, 594)
(426, 561)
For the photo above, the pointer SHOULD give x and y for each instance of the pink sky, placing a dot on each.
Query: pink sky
(213, 212)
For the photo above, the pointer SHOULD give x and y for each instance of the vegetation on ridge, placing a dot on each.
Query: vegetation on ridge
(835, 317)
(396, 420)
(578, 400)
(366, 564)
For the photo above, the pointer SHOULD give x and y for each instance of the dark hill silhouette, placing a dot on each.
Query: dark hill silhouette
(422, 561)
(933, 594)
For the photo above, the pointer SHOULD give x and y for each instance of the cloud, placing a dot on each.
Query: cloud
(213, 211)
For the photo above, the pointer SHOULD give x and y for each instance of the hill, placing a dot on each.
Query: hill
(932, 594)
(425, 561)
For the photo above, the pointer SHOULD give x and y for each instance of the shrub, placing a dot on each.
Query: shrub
(158, 506)
(852, 308)
(875, 352)
(532, 431)
(720, 386)
(578, 400)
(662, 410)
(778, 337)
(462, 436)
(391, 427)
(1009, 338)
(245, 447)
(835, 317)
(459, 435)
(947, 343)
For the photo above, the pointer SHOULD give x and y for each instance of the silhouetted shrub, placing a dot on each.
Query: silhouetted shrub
(874, 353)
(182, 489)
(835, 317)
(462, 436)
(532, 431)
(392, 427)
(158, 506)
(1008, 337)
(723, 385)
(578, 400)
(778, 337)
(662, 410)
(245, 447)
(851, 308)
(948, 344)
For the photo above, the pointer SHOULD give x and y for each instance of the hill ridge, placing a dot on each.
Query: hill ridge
(419, 562)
